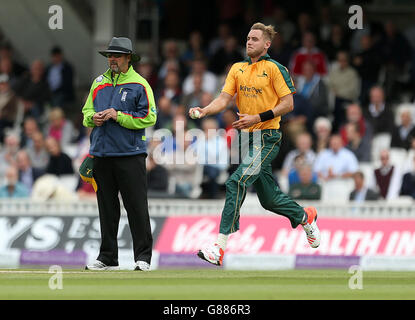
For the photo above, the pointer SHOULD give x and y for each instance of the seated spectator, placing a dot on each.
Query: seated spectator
(157, 177)
(30, 126)
(305, 189)
(146, 69)
(396, 54)
(325, 23)
(180, 123)
(404, 133)
(354, 115)
(193, 99)
(360, 147)
(379, 114)
(174, 140)
(195, 48)
(303, 146)
(337, 42)
(308, 52)
(280, 50)
(336, 162)
(171, 88)
(60, 78)
(305, 24)
(164, 113)
(186, 179)
(278, 17)
(34, 90)
(6, 52)
(294, 174)
(228, 54)
(212, 153)
(59, 163)
(387, 177)
(170, 152)
(362, 193)
(9, 105)
(170, 60)
(408, 183)
(322, 131)
(344, 82)
(368, 64)
(27, 174)
(37, 152)
(59, 128)
(13, 188)
(221, 82)
(209, 80)
(222, 33)
(6, 68)
(310, 85)
(9, 152)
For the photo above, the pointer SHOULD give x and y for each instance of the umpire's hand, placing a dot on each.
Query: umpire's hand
(98, 119)
(110, 113)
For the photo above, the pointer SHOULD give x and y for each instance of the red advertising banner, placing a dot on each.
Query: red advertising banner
(273, 234)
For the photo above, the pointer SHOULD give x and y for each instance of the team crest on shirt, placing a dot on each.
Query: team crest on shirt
(264, 74)
(99, 79)
(124, 95)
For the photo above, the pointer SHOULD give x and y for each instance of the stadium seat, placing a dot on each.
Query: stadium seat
(379, 142)
(283, 182)
(50, 187)
(368, 170)
(398, 156)
(69, 181)
(336, 190)
(409, 161)
(71, 150)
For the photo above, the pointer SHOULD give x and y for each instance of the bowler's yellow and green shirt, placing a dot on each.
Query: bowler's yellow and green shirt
(259, 87)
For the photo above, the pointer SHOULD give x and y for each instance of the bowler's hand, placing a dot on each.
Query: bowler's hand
(98, 119)
(201, 112)
(110, 114)
(246, 121)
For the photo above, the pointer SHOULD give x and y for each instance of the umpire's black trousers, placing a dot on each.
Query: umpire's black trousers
(126, 175)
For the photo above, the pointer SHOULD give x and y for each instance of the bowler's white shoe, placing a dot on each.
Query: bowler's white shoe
(142, 266)
(213, 254)
(310, 228)
(100, 266)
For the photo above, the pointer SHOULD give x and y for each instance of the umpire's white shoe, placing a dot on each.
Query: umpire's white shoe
(213, 254)
(310, 228)
(142, 266)
(100, 266)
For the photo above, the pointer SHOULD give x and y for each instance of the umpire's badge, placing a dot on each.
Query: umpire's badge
(99, 79)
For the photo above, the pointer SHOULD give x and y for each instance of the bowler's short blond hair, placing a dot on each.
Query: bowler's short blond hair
(268, 31)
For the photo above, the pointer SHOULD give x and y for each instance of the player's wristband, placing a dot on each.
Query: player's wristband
(267, 115)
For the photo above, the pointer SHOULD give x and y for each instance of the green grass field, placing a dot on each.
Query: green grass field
(206, 284)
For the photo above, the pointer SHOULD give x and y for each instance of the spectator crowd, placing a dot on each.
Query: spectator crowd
(348, 125)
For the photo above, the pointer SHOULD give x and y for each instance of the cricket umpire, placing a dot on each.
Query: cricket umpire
(119, 107)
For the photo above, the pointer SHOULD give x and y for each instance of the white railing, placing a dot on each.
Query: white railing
(403, 208)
